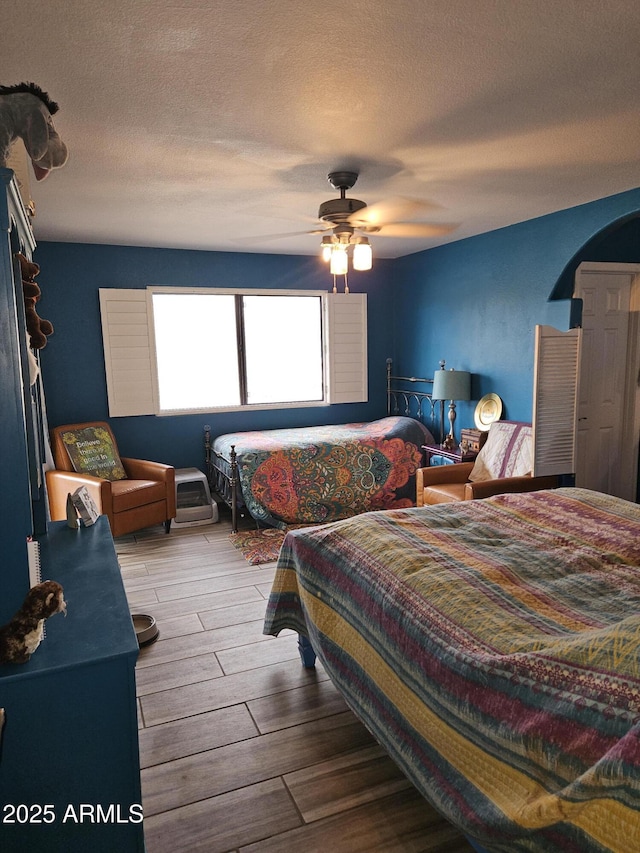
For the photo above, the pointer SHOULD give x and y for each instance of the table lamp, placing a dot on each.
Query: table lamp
(451, 385)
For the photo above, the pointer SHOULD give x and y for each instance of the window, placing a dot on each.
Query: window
(283, 348)
(178, 350)
(268, 350)
(189, 373)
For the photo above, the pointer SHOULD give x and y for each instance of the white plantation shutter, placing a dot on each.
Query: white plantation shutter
(127, 352)
(555, 400)
(347, 378)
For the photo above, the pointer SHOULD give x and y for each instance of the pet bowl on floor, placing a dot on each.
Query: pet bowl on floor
(146, 628)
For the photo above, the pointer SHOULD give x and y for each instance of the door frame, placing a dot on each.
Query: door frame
(631, 403)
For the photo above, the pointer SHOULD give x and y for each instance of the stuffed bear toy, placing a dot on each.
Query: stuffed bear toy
(38, 328)
(25, 113)
(22, 635)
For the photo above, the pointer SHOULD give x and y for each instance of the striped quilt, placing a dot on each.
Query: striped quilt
(493, 648)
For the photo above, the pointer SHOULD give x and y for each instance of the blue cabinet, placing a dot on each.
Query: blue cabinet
(70, 740)
(69, 762)
(16, 509)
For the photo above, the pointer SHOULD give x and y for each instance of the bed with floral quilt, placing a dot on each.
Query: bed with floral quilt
(493, 648)
(317, 474)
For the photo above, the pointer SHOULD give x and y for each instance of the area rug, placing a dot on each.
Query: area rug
(259, 546)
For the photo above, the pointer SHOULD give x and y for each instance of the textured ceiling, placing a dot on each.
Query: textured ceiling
(209, 125)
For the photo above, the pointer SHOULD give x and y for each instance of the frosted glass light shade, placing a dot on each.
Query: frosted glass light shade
(362, 255)
(451, 385)
(339, 261)
(326, 248)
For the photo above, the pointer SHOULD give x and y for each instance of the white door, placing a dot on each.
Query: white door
(607, 437)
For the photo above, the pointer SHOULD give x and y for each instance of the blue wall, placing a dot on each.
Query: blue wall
(475, 302)
(73, 364)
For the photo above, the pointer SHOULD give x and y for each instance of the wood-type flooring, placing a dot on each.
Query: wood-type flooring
(242, 749)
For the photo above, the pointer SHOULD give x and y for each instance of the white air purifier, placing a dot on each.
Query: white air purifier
(194, 506)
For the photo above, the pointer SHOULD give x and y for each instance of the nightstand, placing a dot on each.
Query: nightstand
(454, 455)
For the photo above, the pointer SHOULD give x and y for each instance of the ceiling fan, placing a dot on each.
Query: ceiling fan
(380, 218)
(347, 222)
(350, 220)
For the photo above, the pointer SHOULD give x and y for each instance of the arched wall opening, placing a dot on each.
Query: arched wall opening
(619, 241)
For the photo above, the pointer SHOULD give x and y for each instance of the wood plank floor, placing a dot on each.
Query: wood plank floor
(242, 749)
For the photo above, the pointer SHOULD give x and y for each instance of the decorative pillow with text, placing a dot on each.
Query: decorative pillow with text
(92, 451)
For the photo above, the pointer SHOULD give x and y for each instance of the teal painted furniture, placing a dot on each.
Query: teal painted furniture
(69, 763)
(71, 736)
(20, 494)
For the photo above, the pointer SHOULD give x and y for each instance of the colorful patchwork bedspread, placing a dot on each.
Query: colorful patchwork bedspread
(493, 648)
(318, 474)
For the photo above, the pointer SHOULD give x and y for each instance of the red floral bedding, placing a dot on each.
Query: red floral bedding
(317, 474)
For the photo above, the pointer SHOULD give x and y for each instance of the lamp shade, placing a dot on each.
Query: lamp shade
(451, 385)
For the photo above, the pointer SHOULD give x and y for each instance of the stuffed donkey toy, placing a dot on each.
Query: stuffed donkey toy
(25, 112)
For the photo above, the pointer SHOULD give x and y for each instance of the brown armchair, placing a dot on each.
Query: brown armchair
(503, 466)
(132, 493)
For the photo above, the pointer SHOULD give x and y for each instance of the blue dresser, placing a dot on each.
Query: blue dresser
(71, 738)
(69, 763)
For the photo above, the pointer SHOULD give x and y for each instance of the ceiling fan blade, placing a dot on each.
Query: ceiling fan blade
(391, 210)
(414, 229)
(257, 238)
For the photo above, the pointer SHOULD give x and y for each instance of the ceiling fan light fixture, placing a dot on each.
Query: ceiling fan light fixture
(339, 260)
(362, 254)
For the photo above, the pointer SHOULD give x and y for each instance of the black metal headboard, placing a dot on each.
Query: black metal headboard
(405, 399)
